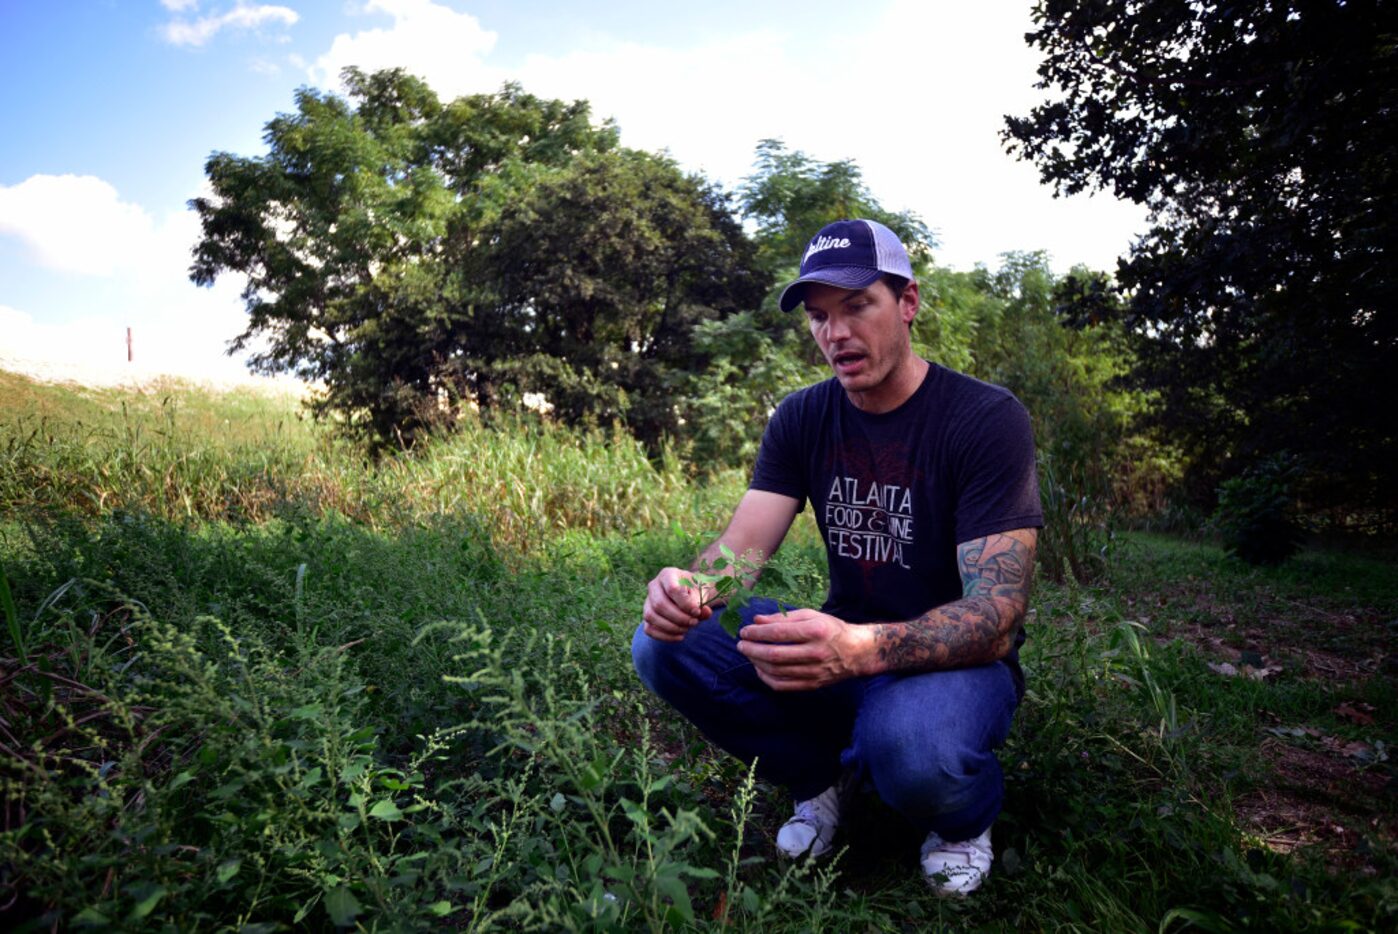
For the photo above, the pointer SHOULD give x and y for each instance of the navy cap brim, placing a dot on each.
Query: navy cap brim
(842, 277)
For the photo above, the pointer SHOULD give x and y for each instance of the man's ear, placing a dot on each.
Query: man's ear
(908, 303)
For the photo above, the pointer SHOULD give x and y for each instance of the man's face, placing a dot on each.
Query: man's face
(863, 334)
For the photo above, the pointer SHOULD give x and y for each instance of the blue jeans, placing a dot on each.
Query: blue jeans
(924, 741)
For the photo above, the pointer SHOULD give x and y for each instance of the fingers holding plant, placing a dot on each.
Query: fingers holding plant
(674, 605)
(803, 649)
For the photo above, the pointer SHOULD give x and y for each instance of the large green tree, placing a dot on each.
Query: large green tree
(604, 269)
(754, 358)
(414, 256)
(1261, 136)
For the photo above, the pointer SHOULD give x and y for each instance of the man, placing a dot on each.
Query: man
(923, 486)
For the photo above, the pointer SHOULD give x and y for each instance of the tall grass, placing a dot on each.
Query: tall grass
(399, 696)
(176, 454)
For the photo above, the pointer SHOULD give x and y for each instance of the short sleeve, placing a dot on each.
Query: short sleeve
(780, 466)
(997, 477)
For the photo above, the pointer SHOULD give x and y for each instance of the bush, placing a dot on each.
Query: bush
(1076, 540)
(1256, 515)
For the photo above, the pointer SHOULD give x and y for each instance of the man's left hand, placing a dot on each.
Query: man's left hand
(803, 649)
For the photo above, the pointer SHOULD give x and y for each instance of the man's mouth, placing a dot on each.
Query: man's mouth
(847, 361)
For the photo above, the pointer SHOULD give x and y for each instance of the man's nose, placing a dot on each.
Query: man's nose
(837, 328)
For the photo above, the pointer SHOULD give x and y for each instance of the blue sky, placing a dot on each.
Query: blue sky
(111, 107)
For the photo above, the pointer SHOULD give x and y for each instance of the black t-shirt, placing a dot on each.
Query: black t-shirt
(895, 493)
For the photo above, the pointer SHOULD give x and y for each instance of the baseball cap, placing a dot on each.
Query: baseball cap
(849, 255)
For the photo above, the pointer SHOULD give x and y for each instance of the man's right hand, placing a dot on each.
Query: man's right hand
(672, 607)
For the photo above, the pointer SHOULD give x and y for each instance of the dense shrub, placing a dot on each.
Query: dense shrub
(1256, 517)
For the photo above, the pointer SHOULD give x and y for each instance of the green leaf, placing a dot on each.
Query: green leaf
(228, 790)
(637, 814)
(595, 773)
(91, 917)
(673, 888)
(386, 810)
(354, 769)
(342, 906)
(557, 803)
(7, 603)
(180, 780)
(751, 903)
(1010, 861)
(440, 909)
(145, 905)
(228, 869)
(620, 873)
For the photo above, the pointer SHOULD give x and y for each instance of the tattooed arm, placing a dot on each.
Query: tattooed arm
(805, 649)
(978, 628)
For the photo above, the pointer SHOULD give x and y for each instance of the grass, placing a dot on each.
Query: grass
(271, 686)
(179, 454)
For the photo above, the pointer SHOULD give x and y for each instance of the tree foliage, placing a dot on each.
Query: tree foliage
(415, 256)
(1256, 516)
(605, 268)
(757, 357)
(790, 195)
(1260, 134)
(1013, 329)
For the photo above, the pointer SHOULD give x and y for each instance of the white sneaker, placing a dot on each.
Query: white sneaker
(956, 868)
(812, 830)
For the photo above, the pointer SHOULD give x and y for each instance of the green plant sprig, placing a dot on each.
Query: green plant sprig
(731, 578)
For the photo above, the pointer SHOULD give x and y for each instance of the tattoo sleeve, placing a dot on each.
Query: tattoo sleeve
(978, 628)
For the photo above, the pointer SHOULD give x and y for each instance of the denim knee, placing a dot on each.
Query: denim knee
(648, 658)
(926, 741)
(923, 778)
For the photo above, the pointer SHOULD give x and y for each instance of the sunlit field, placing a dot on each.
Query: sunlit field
(251, 680)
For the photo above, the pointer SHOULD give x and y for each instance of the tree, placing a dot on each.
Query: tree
(1022, 335)
(604, 269)
(756, 358)
(1260, 134)
(789, 196)
(415, 256)
(348, 229)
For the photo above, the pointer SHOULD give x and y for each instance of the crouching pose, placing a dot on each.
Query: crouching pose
(923, 485)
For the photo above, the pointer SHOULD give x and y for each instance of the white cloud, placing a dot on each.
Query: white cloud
(86, 342)
(137, 277)
(427, 39)
(184, 338)
(923, 125)
(708, 104)
(179, 6)
(77, 223)
(242, 16)
(922, 121)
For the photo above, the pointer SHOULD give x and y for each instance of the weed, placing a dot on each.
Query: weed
(274, 686)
